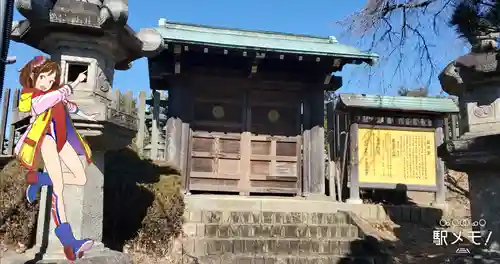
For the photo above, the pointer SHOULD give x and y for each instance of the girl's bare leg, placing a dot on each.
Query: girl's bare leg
(72, 161)
(53, 166)
(73, 248)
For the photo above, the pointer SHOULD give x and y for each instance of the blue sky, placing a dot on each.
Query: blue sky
(313, 17)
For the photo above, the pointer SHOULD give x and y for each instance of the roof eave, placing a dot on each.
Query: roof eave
(369, 58)
(404, 110)
(385, 107)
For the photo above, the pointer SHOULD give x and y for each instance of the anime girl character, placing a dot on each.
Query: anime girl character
(52, 137)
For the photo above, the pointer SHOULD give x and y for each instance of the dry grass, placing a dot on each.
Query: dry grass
(143, 206)
(416, 245)
(175, 256)
(158, 236)
(163, 220)
(17, 217)
(154, 193)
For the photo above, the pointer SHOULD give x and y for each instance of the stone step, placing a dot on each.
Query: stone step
(250, 217)
(284, 246)
(273, 231)
(287, 259)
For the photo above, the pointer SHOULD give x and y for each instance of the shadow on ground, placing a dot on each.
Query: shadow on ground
(409, 237)
(130, 188)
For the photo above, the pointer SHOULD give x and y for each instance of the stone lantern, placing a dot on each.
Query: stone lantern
(475, 79)
(91, 36)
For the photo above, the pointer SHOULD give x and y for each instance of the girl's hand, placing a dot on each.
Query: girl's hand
(81, 77)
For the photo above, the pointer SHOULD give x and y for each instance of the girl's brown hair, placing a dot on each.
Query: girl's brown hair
(30, 72)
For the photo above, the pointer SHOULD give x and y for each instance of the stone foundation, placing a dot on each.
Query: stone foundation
(101, 257)
(225, 229)
(238, 237)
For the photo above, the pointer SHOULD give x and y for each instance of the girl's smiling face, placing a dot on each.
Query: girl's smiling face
(40, 73)
(45, 81)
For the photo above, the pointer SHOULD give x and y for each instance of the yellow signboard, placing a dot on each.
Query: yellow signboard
(396, 156)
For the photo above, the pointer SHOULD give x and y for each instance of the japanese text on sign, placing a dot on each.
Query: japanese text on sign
(396, 156)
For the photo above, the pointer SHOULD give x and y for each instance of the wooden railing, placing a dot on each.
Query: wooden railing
(122, 110)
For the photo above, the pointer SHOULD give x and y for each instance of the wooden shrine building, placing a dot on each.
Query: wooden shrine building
(246, 108)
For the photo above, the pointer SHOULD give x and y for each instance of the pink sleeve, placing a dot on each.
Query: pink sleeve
(72, 107)
(41, 103)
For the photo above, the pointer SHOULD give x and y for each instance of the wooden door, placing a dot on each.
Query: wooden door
(275, 164)
(215, 162)
(215, 158)
(245, 141)
(275, 142)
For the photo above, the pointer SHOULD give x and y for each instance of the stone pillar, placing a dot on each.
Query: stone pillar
(440, 194)
(174, 126)
(474, 78)
(155, 131)
(178, 129)
(141, 130)
(354, 197)
(314, 144)
(84, 213)
(479, 157)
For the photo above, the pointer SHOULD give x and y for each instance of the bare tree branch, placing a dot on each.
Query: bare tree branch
(394, 24)
(407, 29)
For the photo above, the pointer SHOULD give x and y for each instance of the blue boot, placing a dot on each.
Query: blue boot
(73, 248)
(35, 181)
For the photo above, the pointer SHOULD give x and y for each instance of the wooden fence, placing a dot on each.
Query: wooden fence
(123, 109)
(147, 114)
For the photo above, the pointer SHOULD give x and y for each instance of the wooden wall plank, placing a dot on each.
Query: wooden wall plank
(141, 116)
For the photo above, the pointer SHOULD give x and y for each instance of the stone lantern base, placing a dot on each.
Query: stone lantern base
(104, 256)
(479, 157)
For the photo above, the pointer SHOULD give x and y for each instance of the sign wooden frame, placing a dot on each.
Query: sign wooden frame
(355, 184)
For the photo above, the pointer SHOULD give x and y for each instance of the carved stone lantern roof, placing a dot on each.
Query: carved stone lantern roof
(479, 66)
(472, 68)
(45, 21)
(474, 78)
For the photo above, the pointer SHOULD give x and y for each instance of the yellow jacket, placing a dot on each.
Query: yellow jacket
(28, 147)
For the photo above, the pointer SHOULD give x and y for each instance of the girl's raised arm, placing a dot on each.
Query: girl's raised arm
(81, 77)
(41, 103)
(73, 109)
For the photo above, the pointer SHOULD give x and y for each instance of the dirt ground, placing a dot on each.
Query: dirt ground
(415, 241)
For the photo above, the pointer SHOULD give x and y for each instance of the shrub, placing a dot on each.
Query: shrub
(17, 216)
(143, 203)
(163, 220)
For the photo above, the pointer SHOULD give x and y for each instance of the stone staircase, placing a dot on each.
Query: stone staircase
(251, 237)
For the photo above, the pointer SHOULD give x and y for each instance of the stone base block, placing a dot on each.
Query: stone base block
(354, 201)
(105, 256)
(317, 259)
